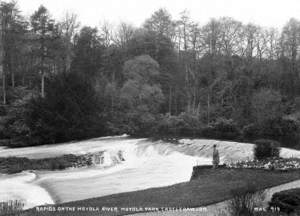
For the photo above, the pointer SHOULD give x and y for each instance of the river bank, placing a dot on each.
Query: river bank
(147, 164)
(213, 186)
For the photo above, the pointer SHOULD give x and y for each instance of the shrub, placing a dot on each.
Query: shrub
(189, 124)
(70, 110)
(286, 131)
(185, 124)
(287, 201)
(266, 149)
(222, 129)
(266, 104)
(283, 130)
(251, 131)
(245, 200)
(11, 207)
(18, 164)
(141, 124)
(169, 125)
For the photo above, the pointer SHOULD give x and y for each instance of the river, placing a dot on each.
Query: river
(147, 164)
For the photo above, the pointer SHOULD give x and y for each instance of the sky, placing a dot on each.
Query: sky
(267, 13)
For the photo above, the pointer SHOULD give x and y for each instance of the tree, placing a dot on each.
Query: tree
(88, 50)
(123, 35)
(69, 110)
(13, 34)
(43, 27)
(68, 27)
(267, 104)
(141, 96)
(231, 36)
(8, 12)
(162, 50)
(290, 41)
(161, 23)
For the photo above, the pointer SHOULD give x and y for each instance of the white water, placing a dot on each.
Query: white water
(147, 164)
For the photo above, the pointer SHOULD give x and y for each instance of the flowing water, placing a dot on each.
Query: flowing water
(142, 164)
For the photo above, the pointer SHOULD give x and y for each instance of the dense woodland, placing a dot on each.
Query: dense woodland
(225, 80)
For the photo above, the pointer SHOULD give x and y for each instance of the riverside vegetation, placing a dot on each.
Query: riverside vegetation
(169, 77)
(12, 165)
(166, 78)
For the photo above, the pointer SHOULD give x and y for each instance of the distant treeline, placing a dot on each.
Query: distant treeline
(224, 80)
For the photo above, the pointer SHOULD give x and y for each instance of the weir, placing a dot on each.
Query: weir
(120, 164)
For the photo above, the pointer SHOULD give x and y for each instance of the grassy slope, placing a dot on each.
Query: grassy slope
(211, 187)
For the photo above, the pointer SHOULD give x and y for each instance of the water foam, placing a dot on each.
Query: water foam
(146, 164)
(19, 187)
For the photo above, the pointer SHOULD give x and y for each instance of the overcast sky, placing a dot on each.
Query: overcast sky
(273, 13)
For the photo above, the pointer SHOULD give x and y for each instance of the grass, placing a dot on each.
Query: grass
(10, 165)
(210, 187)
(10, 207)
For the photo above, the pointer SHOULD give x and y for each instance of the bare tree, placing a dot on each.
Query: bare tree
(68, 27)
(106, 33)
(123, 34)
(1, 60)
(272, 43)
(231, 36)
(211, 37)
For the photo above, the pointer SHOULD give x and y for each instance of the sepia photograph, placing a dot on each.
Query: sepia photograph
(149, 107)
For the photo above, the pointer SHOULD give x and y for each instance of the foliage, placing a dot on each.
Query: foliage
(11, 207)
(251, 131)
(244, 200)
(140, 95)
(185, 124)
(266, 149)
(88, 51)
(217, 184)
(267, 105)
(70, 110)
(287, 201)
(18, 164)
(222, 129)
(168, 77)
(283, 164)
(284, 130)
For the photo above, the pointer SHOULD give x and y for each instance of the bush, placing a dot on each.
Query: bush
(185, 124)
(169, 125)
(245, 200)
(251, 131)
(286, 131)
(18, 164)
(287, 201)
(11, 207)
(266, 149)
(70, 111)
(222, 129)
(283, 130)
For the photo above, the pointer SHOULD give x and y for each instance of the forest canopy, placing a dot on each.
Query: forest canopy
(169, 77)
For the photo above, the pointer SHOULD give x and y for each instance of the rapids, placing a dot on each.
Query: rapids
(146, 164)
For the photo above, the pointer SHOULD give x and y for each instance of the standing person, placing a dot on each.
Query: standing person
(216, 157)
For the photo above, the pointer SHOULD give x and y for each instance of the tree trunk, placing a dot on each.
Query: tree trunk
(4, 86)
(12, 78)
(2, 28)
(170, 99)
(112, 103)
(208, 108)
(43, 85)
(23, 80)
